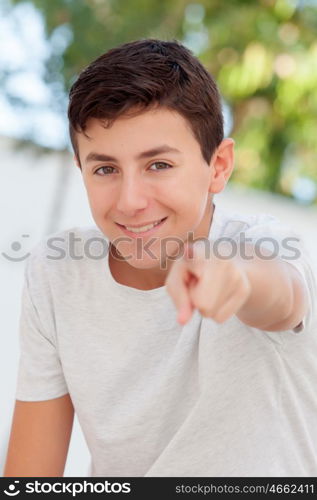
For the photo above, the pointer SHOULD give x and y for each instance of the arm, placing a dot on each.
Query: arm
(39, 439)
(268, 294)
(278, 299)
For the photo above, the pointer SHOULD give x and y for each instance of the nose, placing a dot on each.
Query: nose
(132, 195)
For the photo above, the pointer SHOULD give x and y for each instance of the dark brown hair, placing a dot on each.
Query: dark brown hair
(143, 74)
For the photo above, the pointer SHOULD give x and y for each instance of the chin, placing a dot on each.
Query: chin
(144, 264)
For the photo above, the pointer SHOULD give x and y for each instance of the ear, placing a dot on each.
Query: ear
(221, 164)
(76, 160)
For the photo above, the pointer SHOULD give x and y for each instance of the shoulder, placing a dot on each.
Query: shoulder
(231, 224)
(261, 230)
(63, 243)
(63, 252)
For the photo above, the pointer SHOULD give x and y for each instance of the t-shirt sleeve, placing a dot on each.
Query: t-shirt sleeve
(40, 373)
(282, 241)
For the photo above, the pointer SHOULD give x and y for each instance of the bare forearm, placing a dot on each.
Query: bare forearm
(277, 300)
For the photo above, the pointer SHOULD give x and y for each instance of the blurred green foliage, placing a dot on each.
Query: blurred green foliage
(262, 53)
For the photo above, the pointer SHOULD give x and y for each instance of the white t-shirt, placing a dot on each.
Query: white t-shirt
(154, 398)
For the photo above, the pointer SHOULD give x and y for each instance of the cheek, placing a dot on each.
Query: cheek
(99, 199)
(189, 203)
(190, 185)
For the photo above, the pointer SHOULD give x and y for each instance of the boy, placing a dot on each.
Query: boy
(187, 348)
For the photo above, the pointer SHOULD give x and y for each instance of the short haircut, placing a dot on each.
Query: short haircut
(143, 74)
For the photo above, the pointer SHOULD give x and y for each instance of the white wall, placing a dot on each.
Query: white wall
(29, 205)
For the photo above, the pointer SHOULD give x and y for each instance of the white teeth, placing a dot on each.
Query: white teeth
(143, 228)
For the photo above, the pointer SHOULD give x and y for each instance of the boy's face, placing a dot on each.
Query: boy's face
(144, 169)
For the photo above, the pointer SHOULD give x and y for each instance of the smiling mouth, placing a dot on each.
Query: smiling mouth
(142, 229)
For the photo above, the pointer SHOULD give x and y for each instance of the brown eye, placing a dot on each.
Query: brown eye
(165, 166)
(105, 171)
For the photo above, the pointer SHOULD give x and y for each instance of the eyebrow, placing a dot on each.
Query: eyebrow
(92, 156)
